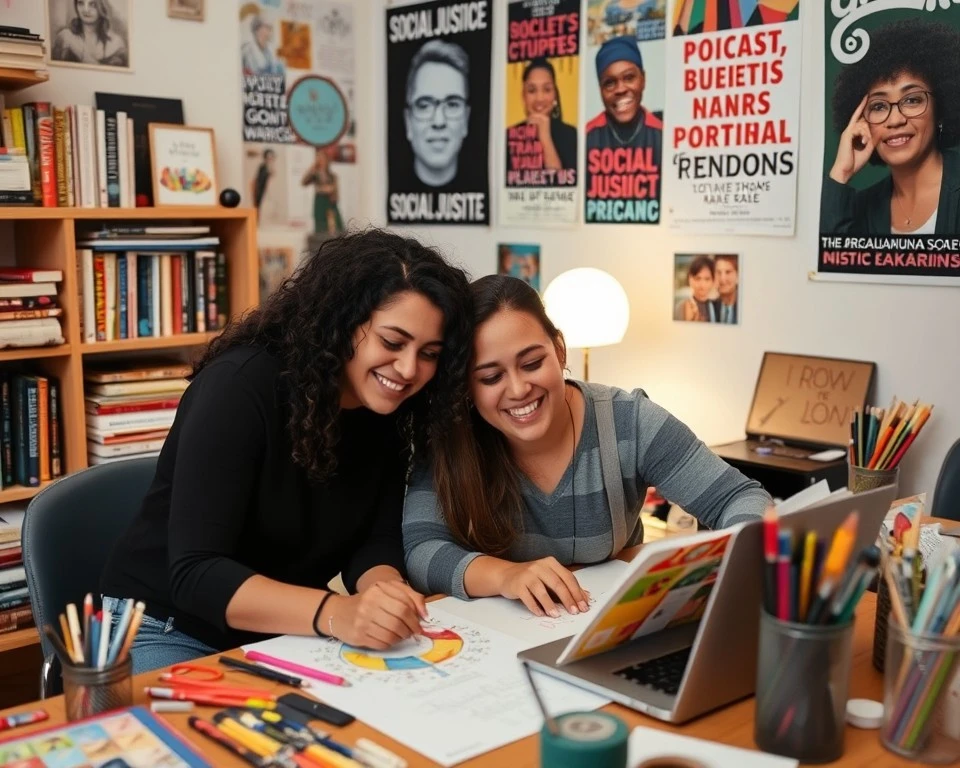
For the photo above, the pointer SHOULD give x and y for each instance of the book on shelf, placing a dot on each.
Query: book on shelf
(12, 619)
(42, 332)
(30, 440)
(30, 275)
(124, 449)
(100, 405)
(137, 371)
(138, 387)
(94, 460)
(19, 290)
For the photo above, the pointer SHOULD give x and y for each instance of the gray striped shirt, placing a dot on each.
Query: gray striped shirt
(573, 522)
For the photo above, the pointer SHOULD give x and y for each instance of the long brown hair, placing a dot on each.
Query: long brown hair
(474, 475)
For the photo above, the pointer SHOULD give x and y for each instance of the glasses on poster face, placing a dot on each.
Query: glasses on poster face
(913, 104)
(424, 108)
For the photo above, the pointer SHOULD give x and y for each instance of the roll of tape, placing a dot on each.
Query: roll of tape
(585, 740)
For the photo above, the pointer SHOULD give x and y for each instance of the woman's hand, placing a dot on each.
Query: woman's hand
(541, 122)
(855, 148)
(530, 582)
(379, 617)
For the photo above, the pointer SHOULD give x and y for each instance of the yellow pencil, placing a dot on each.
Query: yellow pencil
(67, 640)
(806, 573)
(132, 630)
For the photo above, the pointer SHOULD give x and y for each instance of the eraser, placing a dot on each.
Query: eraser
(865, 713)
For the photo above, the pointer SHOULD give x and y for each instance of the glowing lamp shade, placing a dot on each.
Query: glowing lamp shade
(590, 307)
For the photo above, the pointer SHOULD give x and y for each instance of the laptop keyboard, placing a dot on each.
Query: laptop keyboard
(663, 673)
(780, 450)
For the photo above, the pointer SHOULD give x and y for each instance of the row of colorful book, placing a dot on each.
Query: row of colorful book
(71, 156)
(150, 281)
(130, 408)
(15, 610)
(31, 444)
(29, 309)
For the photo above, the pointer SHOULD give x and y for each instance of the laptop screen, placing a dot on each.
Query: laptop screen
(808, 399)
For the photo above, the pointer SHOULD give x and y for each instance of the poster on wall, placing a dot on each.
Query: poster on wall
(543, 97)
(624, 93)
(890, 196)
(299, 134)
(733, 79)
(438, 112)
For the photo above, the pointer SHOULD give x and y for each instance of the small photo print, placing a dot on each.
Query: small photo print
(276, 265)
(521, 261)
(706, 288)
(191, 10)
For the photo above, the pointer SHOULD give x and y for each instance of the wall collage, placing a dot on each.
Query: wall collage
(676, 113)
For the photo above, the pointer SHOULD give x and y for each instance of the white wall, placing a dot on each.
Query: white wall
(196, 62)
(705, 374)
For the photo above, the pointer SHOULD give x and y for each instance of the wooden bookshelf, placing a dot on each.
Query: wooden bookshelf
(17, 79)
(46, 238)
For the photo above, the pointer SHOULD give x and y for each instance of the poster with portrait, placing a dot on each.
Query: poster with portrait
(304, 182)
(542, 113)
(438, 112)
(890, 194)
(624, 92)
(94, 34)
(706, 288)
(733, 85)
(520, 260)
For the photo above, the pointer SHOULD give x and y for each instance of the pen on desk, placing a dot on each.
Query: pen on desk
(289, 666)
(852, 588)
(264, 672)
(375, 756)
(548, 721)
(88, 650)
(784, 542)
(215, 734)
(806, 573)
(834, 566)
(22, 718)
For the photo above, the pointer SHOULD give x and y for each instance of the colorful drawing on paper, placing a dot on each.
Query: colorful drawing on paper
(133, 738)
(435, 646)
(691, 17)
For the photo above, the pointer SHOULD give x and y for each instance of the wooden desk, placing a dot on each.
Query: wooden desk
(731, 725)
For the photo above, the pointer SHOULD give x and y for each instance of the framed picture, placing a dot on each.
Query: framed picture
(93, 34)
(183, 165)
(191, 10)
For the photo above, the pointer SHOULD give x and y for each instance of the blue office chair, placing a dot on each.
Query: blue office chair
(68, 532)
(946, 495)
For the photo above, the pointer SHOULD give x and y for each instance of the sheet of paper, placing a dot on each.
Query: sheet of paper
(456, 693)
(648, 742)
(806, 497)
(512, 617)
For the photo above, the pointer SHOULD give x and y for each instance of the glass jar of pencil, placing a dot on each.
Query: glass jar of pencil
(89, 691)
(921, 681)
(860, 479)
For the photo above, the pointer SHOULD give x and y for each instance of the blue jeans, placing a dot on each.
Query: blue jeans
(157, 643)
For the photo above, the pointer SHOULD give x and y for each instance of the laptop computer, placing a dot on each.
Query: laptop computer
(802, 406)
(684, 671)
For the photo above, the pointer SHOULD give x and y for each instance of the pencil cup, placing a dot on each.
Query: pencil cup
(802, 679)
(89, 691)
(919, 720)
(860, 479)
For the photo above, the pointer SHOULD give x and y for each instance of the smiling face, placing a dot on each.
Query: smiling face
(87, 11)
(726, 278)
(621, 88)
(516, 380)
(903, 140)
(701, 284)
(436, 138)
(539, 92)
(395, 354)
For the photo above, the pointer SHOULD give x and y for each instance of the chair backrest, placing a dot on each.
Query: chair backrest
(69, 529)
(946, 495)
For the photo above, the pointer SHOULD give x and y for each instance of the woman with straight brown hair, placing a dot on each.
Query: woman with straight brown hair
(522, 485)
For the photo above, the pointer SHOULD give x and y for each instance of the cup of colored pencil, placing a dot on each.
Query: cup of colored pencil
(922, 653)
(879, 439)
(94, 653)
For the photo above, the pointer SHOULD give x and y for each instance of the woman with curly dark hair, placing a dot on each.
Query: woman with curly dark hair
(286, 462)
(898, 106)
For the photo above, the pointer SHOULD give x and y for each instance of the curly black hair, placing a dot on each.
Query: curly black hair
(308, 324)
(930, 51)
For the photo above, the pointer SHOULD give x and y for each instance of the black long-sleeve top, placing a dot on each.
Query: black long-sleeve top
(228, 502)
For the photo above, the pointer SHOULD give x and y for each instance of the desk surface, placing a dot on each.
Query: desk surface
(731, 725)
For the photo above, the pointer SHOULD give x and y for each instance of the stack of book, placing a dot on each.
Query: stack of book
(21, 49)
(131, 408)
(149, 281)
(31, 449)
(15, 183)
(29, 311)
(15, 610)
(76, 155)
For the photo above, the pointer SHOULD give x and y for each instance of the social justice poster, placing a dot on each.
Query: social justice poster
(438, 112)
(890, 195)
(624, 93)
(543, 98)
(299, 134)
(733, 85)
